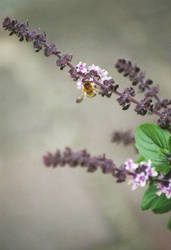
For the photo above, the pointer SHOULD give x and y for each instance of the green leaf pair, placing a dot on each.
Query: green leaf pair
(154, 143)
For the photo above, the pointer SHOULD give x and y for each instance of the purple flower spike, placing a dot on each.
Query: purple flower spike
(93, 80)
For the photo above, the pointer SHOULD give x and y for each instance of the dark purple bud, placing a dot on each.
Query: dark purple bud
(50, 49)
(143, 106)
(39, 41)
(93, 165)
(6, 23)
(31, 35)
(22, 31)
(165, 118)
(123, 136)
(152, 92)
(48, 160)
(163, 103)
(134, 73)
(63, 60)
(74, 74)
(107, 166)
(145, 84)
(120, 174)
(124, 100)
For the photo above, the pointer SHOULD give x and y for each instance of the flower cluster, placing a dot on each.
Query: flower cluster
(141, 173)
(96, 71)
(91, 74)
(88, 78)
(164, 187)
(92, 79)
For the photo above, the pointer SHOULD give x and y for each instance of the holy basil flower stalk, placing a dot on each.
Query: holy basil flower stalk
(139, 173)
(94, 80)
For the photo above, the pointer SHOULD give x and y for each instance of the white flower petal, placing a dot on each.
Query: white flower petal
(79, 84)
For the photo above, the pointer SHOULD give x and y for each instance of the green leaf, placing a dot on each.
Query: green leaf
(169, 224)
(164, 168)
(161, 204)
(162, 210)
(164, 151)
(149, 197)
(140, 159)
(158, 204)
(169, 144)
(152, 142)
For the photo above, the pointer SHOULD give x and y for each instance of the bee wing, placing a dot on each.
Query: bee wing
(80, 98)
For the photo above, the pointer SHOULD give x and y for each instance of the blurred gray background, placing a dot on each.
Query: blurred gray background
(63, 208)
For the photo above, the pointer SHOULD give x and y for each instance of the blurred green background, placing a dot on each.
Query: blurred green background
(63, 208)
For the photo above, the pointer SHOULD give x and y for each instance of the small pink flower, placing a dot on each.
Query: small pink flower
(151, 172)
(162, 189)
(106, 78)
(81, 67)
(94, 67)
(130, 165)
(141, 179)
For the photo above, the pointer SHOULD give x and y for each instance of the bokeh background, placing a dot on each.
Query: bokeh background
(63, 208)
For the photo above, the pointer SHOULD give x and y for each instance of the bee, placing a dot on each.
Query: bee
(88, 90)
